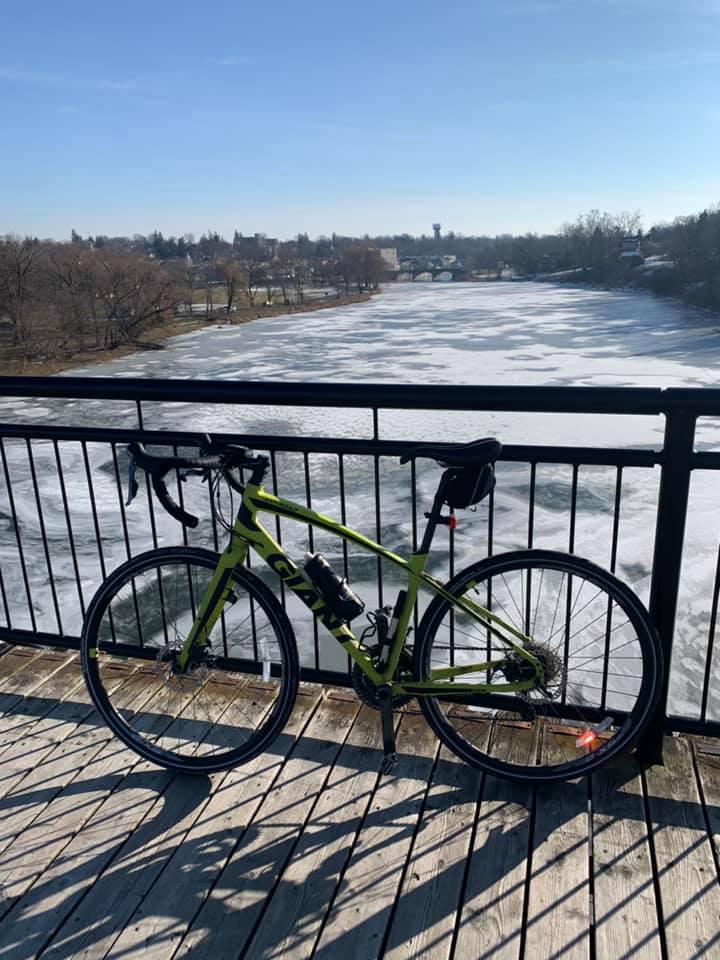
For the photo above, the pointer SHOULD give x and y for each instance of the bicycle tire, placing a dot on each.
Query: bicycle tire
(556, 734)
(234, 698)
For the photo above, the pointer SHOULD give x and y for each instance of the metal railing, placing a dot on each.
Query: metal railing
(66, 524)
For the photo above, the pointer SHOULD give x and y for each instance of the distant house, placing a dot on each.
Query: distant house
(630, 249)
(389, 255)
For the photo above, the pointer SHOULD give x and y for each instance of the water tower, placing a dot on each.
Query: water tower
(436, 230)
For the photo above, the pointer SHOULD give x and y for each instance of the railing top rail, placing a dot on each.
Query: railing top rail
(533, 453)
(550, 399)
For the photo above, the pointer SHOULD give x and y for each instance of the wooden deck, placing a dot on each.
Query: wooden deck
(306, 851)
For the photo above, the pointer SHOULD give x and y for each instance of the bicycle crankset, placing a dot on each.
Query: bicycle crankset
(365, 688)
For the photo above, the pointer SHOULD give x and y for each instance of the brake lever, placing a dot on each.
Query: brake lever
(132, 482)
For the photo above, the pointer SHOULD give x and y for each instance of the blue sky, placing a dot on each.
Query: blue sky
(372, 117)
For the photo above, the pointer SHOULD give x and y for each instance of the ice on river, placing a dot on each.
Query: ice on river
(504, 333)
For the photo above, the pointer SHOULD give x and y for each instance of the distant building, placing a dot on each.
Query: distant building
(630, 249)
(389, 255)
(256, 245)
(436, 230)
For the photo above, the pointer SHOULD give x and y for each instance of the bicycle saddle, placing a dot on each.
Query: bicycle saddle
(474, 454)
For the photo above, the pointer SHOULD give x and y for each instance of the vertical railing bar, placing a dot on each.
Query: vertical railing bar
(613, 564)
(491, 522)
(679, 440)
(308, 499)
(343, 511)
(376, 424)
(16, 526)
(68, 523)
(616, 520)
(121, 502)
(378, 526)
(278, 525)
(138, 409)
(126, 536)
(531, 510)
(343, 521)
(311, 547)
(181, 500)
(8, 619)
(573, 508)
(216, 545)
(93, 509)
(43, 534)
(711, 639)
(531, 532)
(571, 549)
(96, 526)
(413, 502)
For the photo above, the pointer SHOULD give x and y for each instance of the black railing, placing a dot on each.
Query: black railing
(66, 523)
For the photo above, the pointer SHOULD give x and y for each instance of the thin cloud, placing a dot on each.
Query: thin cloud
(232, 61)
(42, 78)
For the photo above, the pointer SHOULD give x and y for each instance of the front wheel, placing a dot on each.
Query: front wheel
(233, 696)
(599, 651)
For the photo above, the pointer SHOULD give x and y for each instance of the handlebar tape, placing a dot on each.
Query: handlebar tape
(157, 467)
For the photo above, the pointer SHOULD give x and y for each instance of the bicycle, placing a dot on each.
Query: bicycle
(533, 665)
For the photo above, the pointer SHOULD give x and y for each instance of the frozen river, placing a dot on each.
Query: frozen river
(505, 333)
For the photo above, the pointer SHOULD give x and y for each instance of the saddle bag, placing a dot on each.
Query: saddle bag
(469, 485)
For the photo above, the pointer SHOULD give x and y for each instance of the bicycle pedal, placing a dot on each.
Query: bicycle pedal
(388, 764)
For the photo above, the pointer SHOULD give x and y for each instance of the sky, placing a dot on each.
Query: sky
(489, 116)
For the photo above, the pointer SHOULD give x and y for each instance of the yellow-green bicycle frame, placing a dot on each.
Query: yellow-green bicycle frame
(248, 533)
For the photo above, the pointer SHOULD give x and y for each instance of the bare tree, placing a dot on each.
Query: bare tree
(233, 275)
(22, 264)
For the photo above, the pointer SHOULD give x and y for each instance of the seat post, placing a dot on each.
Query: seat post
(434, 515)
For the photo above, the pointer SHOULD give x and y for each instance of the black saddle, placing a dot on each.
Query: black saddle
(474, 454)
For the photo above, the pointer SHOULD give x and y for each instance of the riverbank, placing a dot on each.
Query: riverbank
(155, 337)
(658, 276)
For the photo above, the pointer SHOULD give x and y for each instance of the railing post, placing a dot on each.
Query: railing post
(667, 559)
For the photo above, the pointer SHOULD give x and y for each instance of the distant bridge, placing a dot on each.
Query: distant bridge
(448, 273)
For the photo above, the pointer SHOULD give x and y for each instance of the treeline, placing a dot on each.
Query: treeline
(59, 299)
(692, 247)
(592, 239)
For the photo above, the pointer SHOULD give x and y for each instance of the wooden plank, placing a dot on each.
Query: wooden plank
(17, 667)
(225, 923)
(34, 692)
(559, 891)
(136, 856)
(490, 921)
(426, 915)
(298, 906)
(367, 893)
(626, 915)
(689, 890)
(43, 747)
(36, 845)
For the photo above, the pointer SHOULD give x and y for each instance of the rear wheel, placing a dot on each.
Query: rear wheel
(598, 648)
(232, 698)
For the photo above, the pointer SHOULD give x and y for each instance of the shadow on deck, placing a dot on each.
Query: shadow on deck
(306, 851)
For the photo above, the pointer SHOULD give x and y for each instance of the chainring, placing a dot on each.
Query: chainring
(367, 691)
